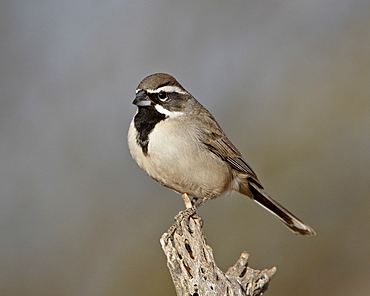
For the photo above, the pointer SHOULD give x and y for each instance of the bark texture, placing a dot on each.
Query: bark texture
(194, 271)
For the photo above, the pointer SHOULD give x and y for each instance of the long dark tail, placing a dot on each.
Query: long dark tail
(291, 221)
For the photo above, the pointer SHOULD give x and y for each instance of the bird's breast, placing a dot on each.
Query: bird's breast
(178, 159)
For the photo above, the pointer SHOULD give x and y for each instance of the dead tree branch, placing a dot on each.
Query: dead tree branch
(194, 271)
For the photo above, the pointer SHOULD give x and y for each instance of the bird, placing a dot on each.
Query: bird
(178, 143)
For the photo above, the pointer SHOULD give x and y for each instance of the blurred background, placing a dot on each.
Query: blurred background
(289, 82)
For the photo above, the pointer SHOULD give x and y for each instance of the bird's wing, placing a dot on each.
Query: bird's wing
(217, 142)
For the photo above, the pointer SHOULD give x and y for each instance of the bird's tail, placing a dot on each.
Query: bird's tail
(291, 221)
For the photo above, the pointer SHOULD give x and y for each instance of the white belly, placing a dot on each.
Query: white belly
(177, 160)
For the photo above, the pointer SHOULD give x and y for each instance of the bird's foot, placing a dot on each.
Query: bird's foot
(191, 208)
(181, 216)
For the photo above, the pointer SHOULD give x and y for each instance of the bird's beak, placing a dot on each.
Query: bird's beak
(142, 100)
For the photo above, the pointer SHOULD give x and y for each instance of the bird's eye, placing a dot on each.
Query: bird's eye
(162, 95)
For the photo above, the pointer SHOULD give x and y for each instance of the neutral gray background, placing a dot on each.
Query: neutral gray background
(289, 81)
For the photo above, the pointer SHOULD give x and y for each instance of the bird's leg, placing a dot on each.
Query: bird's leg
(189, 211)
(203, 201)
(187, 201)
(191, 207)
(194, 200)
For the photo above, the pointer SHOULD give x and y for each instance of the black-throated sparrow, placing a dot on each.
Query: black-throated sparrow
(178, 143)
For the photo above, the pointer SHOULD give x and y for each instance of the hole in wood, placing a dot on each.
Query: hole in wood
(188, 248)
(187, 269)
(243, 273)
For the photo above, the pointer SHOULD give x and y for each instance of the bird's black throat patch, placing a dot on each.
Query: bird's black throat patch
(145, 121)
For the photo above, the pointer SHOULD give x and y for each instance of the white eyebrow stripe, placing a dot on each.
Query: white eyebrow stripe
(170, 114)
(169, 89)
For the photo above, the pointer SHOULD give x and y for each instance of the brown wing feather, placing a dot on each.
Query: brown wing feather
(217, 142)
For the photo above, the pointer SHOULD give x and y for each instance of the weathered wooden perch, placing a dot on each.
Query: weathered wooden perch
(194, 271)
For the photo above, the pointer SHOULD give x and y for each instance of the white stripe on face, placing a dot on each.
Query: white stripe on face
(168, 113)
(168, 89)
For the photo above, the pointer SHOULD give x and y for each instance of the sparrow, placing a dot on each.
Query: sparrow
(178, 143)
